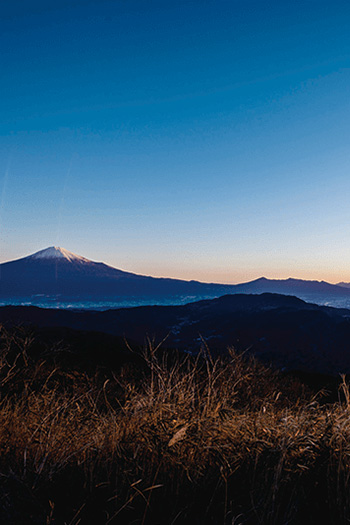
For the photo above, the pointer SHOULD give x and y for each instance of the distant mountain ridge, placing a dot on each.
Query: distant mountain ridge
(57, 274)
(344, 285)
(291, 285)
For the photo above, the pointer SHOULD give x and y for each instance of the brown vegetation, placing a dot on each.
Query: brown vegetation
(166, 439)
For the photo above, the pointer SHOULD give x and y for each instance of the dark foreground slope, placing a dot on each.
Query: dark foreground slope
(281, 330)
(163, 438)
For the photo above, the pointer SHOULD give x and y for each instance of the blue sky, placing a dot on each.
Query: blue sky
(195, 139)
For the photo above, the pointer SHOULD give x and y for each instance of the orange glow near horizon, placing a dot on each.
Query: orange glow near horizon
(237, 275)
(212, 270)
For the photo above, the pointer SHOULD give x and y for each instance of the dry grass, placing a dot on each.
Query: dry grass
(179, 439)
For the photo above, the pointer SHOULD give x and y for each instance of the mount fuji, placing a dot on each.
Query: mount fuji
(60, 274)
(57, 277)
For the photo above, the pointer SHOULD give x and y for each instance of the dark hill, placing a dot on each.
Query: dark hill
(278, 329)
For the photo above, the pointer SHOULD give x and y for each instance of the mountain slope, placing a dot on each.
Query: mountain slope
(56, 274)
(56, 271)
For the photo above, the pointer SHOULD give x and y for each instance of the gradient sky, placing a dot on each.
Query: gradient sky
(204, 139)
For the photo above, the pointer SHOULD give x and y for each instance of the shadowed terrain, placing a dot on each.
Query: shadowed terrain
(277, 329)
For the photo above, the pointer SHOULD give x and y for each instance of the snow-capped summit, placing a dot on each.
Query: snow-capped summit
(56, 272)
(55, 252)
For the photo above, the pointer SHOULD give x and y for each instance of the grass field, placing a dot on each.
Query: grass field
(166, 438)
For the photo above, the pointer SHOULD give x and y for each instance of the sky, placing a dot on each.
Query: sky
(197, 139)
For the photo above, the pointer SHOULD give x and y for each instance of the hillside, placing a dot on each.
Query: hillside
(58, 273)
(282, 330)
(163, 437)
